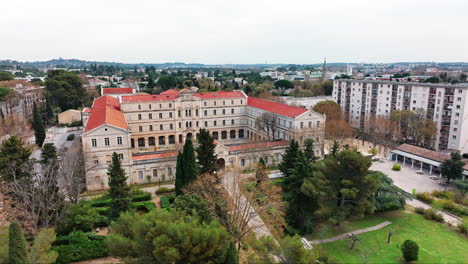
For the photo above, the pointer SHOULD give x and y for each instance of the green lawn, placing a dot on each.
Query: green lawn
(4, 244)
(437, 242)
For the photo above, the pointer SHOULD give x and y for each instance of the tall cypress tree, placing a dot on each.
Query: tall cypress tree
(17, 251)
(232, 255)
(38, 126)
(206, 152)
(189, 162)
(49, 111)
(119, 191)
(179, 180)
(309, 150)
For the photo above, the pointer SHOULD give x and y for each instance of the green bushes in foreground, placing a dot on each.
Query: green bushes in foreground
(425, 197)
(79, 246)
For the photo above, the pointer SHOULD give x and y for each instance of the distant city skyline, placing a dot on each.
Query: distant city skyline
(236, 32)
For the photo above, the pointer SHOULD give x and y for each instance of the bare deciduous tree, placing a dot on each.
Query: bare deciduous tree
(39, 192)
(268, 122)
(72, 171)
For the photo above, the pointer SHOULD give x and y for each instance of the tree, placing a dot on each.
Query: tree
(119, 191)
(232, 256)
(17, 250)
(283, 85)
(388, 196)
(206, 154)
(13, 155)
(179, 180)
(290, 158)
(187, 167)
(452, 168)
(167, 237)
(330, 108)
(261, 173)
(410, 250)
(268, 123)
(38, 126)
(76, 217)
(41, 252)
(350, 183)
(309, 151)
(6, 76)
(193, 205)
(49, 111)
(65, 89)
(48, 152)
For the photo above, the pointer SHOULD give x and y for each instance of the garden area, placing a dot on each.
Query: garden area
(438, 243)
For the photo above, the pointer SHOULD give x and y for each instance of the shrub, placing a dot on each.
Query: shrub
(419, 210)
(278, 182)
(81, 251)
(444, 194)
(100, 202)
(396, 167)
(373, 151)
(453, 208)
(425, 197)
(165, 201)
(463, 228)
(143, 206)
(165, 190)
(431, 214)
(71, 137)
(78, 217)
(141, 197)
(410, 250)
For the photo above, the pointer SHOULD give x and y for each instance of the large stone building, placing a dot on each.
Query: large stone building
(445, 104)
(147, 131)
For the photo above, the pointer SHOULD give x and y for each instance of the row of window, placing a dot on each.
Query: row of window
(161, 106)
(188, 113)
(107, 142)
(188, 124)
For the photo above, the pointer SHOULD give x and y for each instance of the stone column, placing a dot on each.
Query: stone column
(404, 160)
(430, 169)
(412, 163)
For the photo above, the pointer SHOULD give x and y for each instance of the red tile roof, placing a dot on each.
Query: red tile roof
(155, 155)
(258, 145)
(220, 94)
(422, 152)
(171, 91)
(106, 110)
(86, 109)
(277, 108)
(117, 91)
(148, 97)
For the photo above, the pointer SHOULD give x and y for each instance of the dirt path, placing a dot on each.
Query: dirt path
(106, 260)
(359, 231)
(447, 217)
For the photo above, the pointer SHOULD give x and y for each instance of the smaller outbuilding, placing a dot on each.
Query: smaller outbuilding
(69, 117)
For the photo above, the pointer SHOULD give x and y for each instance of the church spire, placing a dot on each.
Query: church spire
(324, 70)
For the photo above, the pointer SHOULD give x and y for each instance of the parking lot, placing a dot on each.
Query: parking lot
(407, 178)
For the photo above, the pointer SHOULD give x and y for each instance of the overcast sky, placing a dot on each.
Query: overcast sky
(235, 31)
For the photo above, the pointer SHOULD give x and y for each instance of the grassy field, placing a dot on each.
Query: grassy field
(4, 244)
(437, 242)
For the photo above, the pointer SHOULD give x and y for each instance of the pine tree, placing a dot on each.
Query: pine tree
(119, 191)
(206, 152)
(189, 162)
(17, 245)
(232, 255)
(309, 150)
(289, 158)
(38, 126)
(48, 152)
(13, 156)
(179, 181)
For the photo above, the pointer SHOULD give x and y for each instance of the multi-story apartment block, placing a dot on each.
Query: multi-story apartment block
(147, 131)
(445, 104)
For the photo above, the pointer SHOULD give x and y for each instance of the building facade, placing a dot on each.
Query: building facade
(445, 104)
(147, 131)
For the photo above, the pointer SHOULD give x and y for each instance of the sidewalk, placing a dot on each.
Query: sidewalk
(359, 231)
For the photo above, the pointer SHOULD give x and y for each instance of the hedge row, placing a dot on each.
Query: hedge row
(140, 197)
(166, 201)
(165, 190)
(82, 251)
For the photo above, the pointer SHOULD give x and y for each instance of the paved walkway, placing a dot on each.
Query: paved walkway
(360, 231)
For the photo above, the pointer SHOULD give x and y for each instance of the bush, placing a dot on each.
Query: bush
(396, 167)
(453, 208)
(463, 228)
(278, 182)
(431, 214)
(81, 251)
(444, 194)
(71, 137)
(425, 197)
(373, 151)
(143, 206)
(165, 190)
(410, 250)
(100, 202)
(78, 217)
(166, 201)
(141, 197)
(419, 210)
